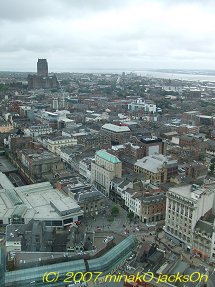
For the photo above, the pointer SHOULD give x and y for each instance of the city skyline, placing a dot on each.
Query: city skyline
(126, 35)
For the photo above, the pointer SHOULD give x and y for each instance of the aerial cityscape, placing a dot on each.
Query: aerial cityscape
(107, 159)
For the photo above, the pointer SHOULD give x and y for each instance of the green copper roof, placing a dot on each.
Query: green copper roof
(107, 156)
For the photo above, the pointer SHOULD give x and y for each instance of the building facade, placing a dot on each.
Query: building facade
(184, 207)
(35, 131)
(139, 104)
(42, 67)
(118, 134)
(42, 80)
(56, 143)
(103, 169)
(158, 168)
(204, 239)
(40, 163)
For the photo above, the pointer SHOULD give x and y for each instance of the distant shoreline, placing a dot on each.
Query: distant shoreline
(177, 74)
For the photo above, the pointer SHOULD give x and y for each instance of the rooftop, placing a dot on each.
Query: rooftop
(204, 227)
(39, 201)
(115, 128)
(192, 192)
(5, 182)
(5, 165)
(107, 156)
(155, 162)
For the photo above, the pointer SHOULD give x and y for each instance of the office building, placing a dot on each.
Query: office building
(158, 168)
(118, 134)
(103, 169)
(185, 206)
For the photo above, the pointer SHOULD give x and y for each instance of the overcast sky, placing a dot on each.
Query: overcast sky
(108, 34)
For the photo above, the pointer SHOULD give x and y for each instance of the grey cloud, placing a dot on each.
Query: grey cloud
(22, 10)
(96, 32)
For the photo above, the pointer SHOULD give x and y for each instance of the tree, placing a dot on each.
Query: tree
(130, 215)
(115, 210)
(212, 166)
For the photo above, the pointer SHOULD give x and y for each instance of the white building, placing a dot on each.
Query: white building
(35, 131)
(103, 169)
(85, 168)
(184, 207)
(132, 201)
(139, 104)
(40, 201)
(56, 143)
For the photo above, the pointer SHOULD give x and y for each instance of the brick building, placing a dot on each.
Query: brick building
(158, 168)
(118, 134)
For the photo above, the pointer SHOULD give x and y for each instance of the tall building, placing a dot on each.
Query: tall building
(55, 104)
(42, 80)
(42, 68)
(105, 167)
(185, 206)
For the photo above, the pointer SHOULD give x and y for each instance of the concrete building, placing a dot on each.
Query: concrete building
(16, 142)
(40, 163)
(85, 168)
(153, 207)
(55, 104)
(139, 104)
(150, 145)
(210, 148)
(187, 129)
(35, 131)
(158, 168)
(190, 117)
(146, 201)
(185, 206)
(92, 202)
(56, 143)
(196, 170)
(205, 120)
(96, 140)
(204, 238)
(13, 240)
(40, 201)
(118, 134)
(23, 111)
(103, 169)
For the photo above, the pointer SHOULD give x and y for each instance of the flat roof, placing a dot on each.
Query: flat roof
(65, 205)
(115, 128)
(6, 165)
(5, 183)
(37, 199)
(190, 192)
